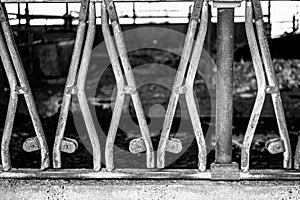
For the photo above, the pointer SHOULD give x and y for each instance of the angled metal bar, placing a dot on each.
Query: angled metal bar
(272, 82)
(17, 62)
(190, 98)
(12, 105)
(131, 81)
(70, 83)
(261, 87)
(83, 103)
(113, 55)
(179, 78)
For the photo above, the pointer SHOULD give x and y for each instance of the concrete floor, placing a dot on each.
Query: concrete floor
(147, 189)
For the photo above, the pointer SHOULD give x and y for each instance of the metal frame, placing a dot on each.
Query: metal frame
(15, 73)
(222, 169)
(186, 88)
(108, 7)
(76, 85)
(263, 68)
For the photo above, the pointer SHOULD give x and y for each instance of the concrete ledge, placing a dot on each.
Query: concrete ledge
(147, 189)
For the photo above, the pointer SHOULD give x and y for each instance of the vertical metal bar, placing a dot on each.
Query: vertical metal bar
(81, 29)
(83, 103)
(272, 81)
(190, 99)
(131, 82)
(297, 155)
(185, 57)
(113, 55)
(224, 102)
(45, 162)
(12, 105)
(261, 86)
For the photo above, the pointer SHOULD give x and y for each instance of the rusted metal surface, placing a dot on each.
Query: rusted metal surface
(18, 67)
(273, 82)
(297, 155)
(178, 84)
(113, 55)
(138, 145)
(67, 145)
(275, 146)
(225, 171)
(224, 85)
(185, 174)
(261, 85)
(12, 105)
(120, 46)
(70, 83)
(190, 97)
(83, 103)
(78, 1)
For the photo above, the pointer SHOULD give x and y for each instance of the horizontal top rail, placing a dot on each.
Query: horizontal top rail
(77, 1)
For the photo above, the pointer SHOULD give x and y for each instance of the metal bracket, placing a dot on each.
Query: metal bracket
(21, 90)
(111, 9)
(197, 9)
(227, 3)
(67, 145)
(225, 171)
(271, 90)
(275, 146)
(71, 90)
(129, 89)
(138, 145)
(31, 144)
(181, 89)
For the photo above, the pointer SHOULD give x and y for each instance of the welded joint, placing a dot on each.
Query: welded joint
(71, 90)
(225, 171)
(272, 90)
(227, 3)
(21, 90)
(181, 89)
(129, 89)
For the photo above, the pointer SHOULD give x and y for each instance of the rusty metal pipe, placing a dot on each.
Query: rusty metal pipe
(185, 57)
(261, 86)
(273, 82)
(83, 103)
(113, 55)
(190, 99)
(224, 85)
(70, 83)
(12, 105)
(16, 59)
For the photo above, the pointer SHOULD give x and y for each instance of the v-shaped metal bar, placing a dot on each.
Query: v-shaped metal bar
(81, 56)
(186, 88)
(122, 89)
(263, 69)
(15, 72)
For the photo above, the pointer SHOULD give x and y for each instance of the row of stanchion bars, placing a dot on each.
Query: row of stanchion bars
(75, 85)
